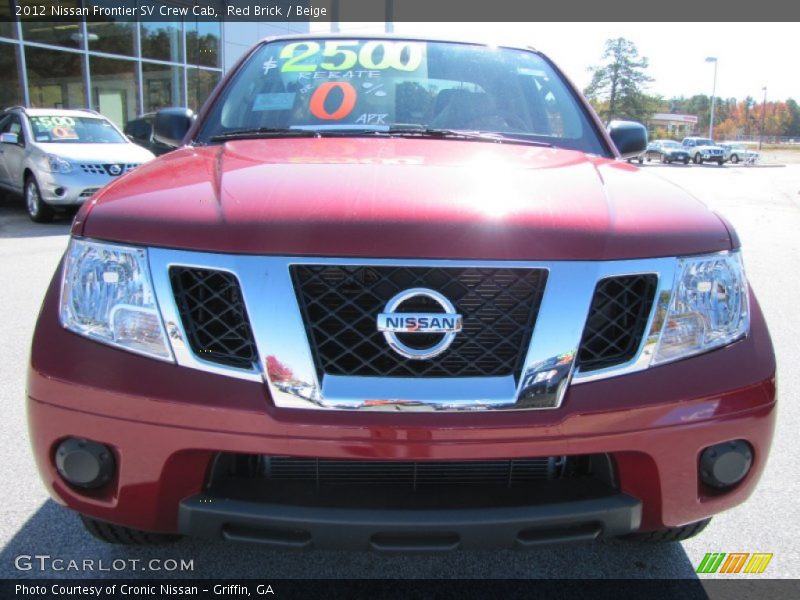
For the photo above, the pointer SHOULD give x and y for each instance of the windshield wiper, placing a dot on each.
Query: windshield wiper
(263, 132)
(482, 136)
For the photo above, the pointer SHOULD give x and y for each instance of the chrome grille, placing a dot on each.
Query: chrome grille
(104, 169)
(340, 305)
(617, 319)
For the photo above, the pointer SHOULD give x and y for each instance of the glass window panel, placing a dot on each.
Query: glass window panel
(55, 78)
(10, 88)
(163, 86)
(47, 32)
(201, 82)
(7, 28)
(163, 41)
(114, 90)
(114, 36)
(202, 43)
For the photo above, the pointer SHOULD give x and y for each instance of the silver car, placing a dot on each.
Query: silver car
(59, 158)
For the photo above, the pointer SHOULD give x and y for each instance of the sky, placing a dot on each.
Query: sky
(750, 56)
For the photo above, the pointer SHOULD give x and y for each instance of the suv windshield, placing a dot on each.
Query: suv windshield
(351, 86)
(704, 142)
(76, 130)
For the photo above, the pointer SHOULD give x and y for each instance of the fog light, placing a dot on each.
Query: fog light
(59, 191)
(84, 463)
(726, 464)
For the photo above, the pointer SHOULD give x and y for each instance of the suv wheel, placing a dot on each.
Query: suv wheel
(686, 161)
(670, 534)
(720, 162)
(38, 211)
(117, 534)
(734, 158)
(697, 159)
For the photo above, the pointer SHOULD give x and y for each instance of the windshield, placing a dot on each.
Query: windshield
(705, 142)
(671, 144)
(373, 85)
(74, 130)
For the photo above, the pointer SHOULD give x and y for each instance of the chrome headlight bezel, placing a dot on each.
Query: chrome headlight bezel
(709, 307)
(102, 285)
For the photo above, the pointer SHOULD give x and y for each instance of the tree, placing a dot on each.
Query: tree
(620, 82)
(793, 128)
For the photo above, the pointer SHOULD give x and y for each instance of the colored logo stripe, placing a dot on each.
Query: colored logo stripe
(711, 562)
(735, 562)
(758, 563)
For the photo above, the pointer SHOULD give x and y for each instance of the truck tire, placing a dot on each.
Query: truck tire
(697, 159)
(734, 158)
(670, 534)
(117, 534)
(38, 210)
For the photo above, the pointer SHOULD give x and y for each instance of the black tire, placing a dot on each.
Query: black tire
(720, 162)
(734, 158)
(686, 161)
(697, 159)
(640, 159)
(671, 534)
(117, 534)
(38, 210)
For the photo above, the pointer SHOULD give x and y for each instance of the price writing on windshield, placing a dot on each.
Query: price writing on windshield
(342, 55)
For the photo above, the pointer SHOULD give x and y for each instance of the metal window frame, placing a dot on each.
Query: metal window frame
(86, 53)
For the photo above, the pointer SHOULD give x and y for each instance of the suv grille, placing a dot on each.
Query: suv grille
(617, 319)
(340, 305)
(410, 474)
(214, 316)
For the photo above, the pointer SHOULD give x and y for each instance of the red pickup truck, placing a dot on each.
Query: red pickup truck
(399, 294)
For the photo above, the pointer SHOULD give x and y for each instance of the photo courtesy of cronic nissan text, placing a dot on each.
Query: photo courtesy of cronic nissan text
(394, 299)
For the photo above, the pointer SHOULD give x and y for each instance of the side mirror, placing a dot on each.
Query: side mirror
(629, 137)
(171, 125)
(9, 138)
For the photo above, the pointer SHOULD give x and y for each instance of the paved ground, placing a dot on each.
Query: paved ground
(764, 205)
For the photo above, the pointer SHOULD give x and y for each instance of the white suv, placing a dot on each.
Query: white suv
(59, 158)
(703, 150)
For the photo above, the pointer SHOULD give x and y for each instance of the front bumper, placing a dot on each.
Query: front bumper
(69, 189)
(167, 423)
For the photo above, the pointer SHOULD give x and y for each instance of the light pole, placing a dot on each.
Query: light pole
(763, 117)
(713, 94)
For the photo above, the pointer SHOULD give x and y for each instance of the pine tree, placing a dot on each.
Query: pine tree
(621, 81)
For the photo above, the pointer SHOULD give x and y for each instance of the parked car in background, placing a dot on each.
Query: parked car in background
(703, 150)
(59, 158)
(140, 131)
(667, 151)
(737, 152)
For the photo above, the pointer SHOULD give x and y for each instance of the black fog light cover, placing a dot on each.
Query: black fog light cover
(83, 463)
(726, 464)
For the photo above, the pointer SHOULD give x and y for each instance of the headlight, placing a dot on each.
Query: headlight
(58, 165)
(107, 296)
(709, 307)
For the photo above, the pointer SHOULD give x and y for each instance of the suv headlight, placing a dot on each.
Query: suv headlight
(107, 295)
(709, 307)
(56, 164)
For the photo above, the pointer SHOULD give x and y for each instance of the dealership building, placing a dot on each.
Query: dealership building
(117, 67)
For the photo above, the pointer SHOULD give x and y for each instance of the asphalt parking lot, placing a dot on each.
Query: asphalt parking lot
(764, 206)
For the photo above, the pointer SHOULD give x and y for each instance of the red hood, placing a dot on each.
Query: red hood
(365, 197)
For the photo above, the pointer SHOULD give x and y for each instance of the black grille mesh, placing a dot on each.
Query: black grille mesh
(505, 473)
(340, 306)
(617, 319)
(214, 316)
